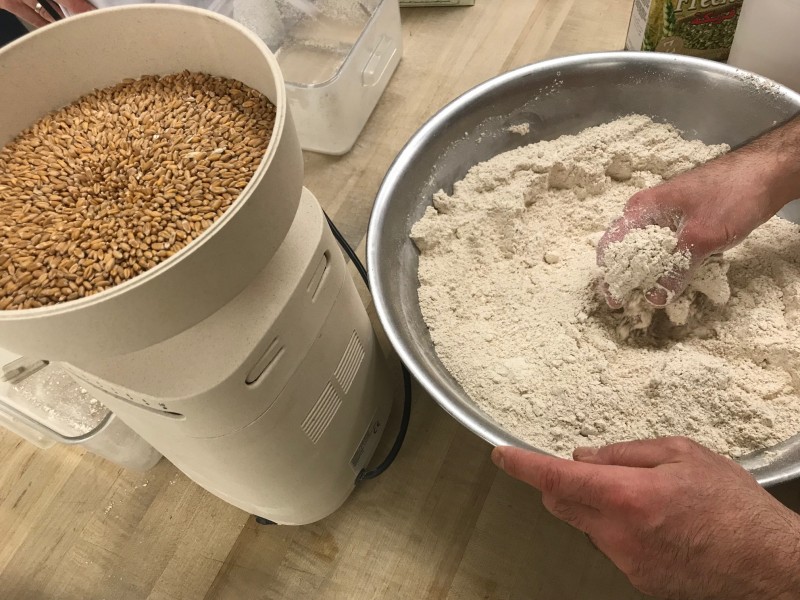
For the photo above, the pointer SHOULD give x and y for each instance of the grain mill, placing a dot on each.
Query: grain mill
(247, 358)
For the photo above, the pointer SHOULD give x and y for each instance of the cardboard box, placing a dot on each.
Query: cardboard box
(414, 3)
(702, 28)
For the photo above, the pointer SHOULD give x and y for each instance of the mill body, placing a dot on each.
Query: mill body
(247, 358)
(276, 401)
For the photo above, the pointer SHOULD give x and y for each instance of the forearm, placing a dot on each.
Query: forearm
(792, 573)
(789, 582)
(775, 157)
(781, 559)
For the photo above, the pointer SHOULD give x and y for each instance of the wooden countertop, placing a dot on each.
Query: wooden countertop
(441, 523)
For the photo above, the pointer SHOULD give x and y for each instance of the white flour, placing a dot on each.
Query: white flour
(636, 262)
(508, 288)
(52, 397)
(520, 129)
(634, 265)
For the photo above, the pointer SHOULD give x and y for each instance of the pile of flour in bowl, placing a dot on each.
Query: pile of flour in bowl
(508, 288)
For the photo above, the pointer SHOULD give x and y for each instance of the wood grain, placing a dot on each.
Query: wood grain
(442, 523)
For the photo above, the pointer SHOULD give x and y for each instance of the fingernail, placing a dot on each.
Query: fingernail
(497, 458)
(658, 297)
(584, 452)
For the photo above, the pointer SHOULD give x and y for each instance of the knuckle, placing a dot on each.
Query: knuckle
(559, 508)
(681, 445)
(704, 240)
(511, 465)
(625, 500)
(551, 480)
(639, 200)
(563, 510)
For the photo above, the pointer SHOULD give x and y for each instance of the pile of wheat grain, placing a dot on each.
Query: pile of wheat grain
(102, 190)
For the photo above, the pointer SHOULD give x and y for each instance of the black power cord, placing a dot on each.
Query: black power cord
(401, 433)
(348, 250)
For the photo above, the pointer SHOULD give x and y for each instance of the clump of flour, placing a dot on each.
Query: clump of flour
(520, 129)
(640, 259)
(635, 265)
(508, 288)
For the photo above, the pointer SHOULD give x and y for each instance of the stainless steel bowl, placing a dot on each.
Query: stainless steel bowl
(708, 101)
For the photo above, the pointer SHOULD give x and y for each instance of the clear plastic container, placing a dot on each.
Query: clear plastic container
(336, 56)
(43, 404)
(120, 444)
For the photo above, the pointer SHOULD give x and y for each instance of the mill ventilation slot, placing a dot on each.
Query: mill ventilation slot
(351, 360)
(321, 415)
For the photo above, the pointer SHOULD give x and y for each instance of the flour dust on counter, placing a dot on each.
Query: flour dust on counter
(509, 291)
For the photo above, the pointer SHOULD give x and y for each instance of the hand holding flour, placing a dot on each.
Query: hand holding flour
(715, 206)
(679, 520)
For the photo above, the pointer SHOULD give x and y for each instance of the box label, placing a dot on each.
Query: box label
(702, 28)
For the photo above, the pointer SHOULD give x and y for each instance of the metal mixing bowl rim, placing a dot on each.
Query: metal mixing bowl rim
(407, 154)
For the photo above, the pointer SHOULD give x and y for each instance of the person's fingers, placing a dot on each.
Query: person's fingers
(569, 480)
(653, 206)
(615, 233)
(604, 289)
(578, 515)
(658, 296)
(638, 453)
(668, 287)
(695, 242)
(612, 302)
(644, 208)
(26, 13)
(44, 13)
(77, 6)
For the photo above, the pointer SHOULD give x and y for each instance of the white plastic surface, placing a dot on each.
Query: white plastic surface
(287, 446)
(55, 65)
(767, 40)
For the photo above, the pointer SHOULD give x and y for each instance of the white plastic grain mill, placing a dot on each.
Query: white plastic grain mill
(247, 359)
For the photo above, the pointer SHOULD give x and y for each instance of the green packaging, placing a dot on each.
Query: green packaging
(702, 28)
